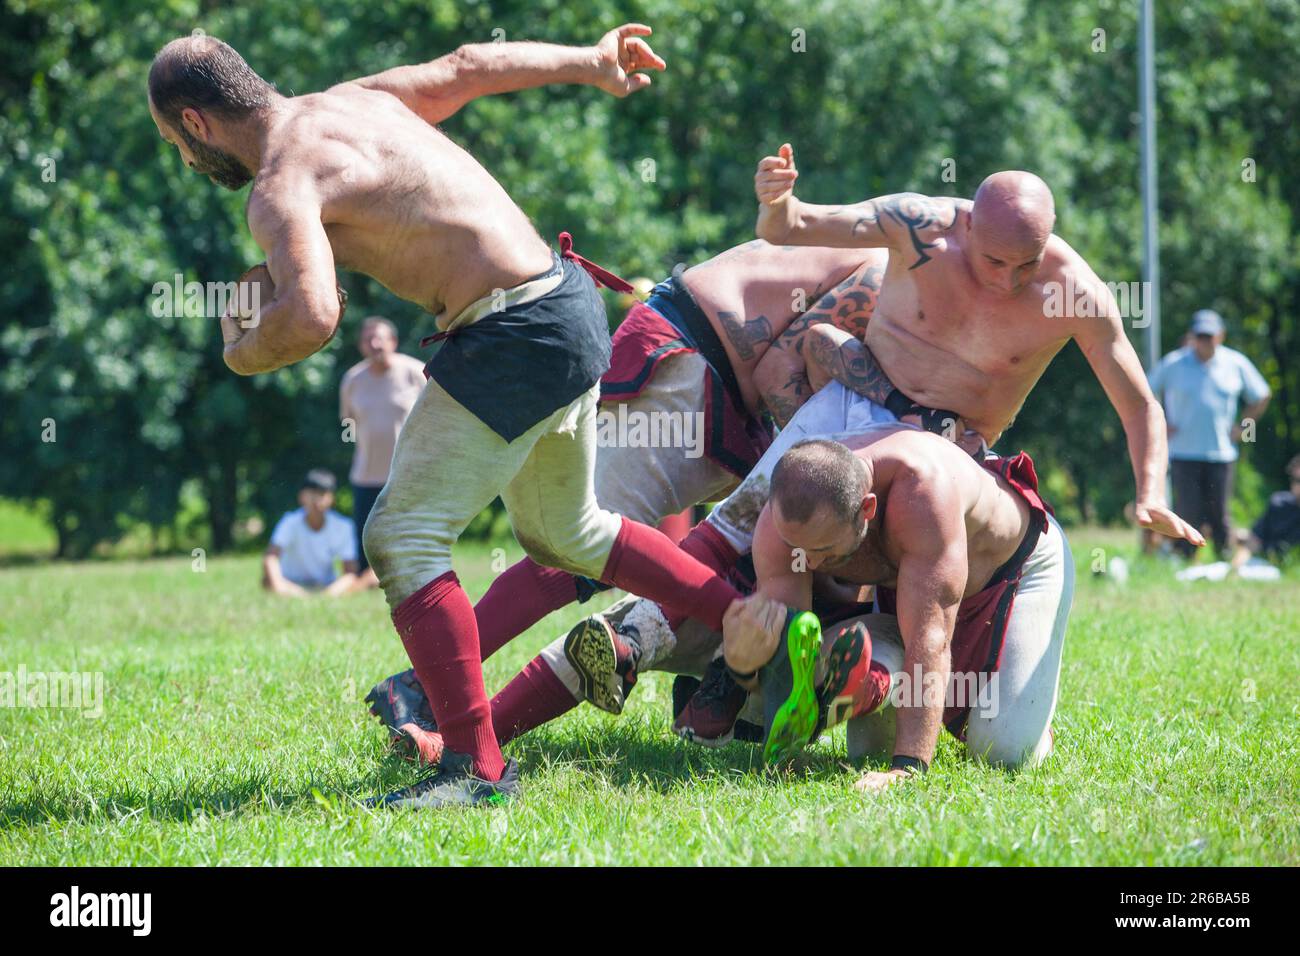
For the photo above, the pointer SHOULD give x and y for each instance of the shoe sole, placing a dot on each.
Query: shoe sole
(796, 718)
(712, 742)
(589, 648)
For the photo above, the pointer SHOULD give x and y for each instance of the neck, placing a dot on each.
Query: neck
(253, 134)
(316, 519)
(380, 363)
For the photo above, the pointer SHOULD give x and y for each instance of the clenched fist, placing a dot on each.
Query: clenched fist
(778, 210)
(750, 631)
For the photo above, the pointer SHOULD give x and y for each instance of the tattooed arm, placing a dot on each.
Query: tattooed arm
(782, 375)
(907, 223)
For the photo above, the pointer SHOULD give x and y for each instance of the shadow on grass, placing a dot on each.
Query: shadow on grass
(625, 757)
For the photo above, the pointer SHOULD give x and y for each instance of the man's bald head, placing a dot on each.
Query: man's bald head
(1014, 208)
(1010, 224)
(202, 73)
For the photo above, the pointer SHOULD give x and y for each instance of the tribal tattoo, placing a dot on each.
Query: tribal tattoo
(915, 212)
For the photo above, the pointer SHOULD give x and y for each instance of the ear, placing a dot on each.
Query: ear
(869, 507)
(196, 124)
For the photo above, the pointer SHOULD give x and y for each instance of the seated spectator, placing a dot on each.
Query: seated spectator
(306, 543)
(1278, 530)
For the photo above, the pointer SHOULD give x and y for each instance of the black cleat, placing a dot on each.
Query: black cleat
(401, 705)
(454, 785)
(605, 658)
(709, 718)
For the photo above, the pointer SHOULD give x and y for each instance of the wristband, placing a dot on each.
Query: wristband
(913, 765)
(898, 404)
(737, 675)
(936, 420)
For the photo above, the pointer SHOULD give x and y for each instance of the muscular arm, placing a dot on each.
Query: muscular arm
(273, 578)
(748, 647)
(783, 375)
(932, 573)
(907, 223)
(305, 308)
(1119, 371)
(438, 89)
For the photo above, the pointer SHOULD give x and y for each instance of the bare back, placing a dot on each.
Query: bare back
(753, 292)
(399, 201)
(901, 458)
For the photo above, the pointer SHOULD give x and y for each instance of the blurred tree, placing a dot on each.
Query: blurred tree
(876, 96)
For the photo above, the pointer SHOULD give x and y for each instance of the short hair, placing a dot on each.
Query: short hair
(819, 472)
(204, 73)
(378, 320)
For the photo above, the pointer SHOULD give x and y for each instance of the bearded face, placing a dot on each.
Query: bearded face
(218, 165)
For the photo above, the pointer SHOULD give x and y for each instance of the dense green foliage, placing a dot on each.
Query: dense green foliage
(151, 425)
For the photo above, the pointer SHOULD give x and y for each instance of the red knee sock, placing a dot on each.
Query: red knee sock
(436, 625)
(517, 600)
(707, 545)
(645, 562)
(535, 696)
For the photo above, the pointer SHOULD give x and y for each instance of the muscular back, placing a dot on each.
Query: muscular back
(399, 201)
(753, 293)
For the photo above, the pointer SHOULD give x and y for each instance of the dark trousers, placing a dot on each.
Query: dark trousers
(363, 499)
(1202, 490)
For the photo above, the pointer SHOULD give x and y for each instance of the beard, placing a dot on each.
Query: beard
(218, 165)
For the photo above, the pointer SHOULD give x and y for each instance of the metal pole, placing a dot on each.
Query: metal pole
(1150, 242)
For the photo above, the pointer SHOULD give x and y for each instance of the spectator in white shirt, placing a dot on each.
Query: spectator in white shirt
(306, 543)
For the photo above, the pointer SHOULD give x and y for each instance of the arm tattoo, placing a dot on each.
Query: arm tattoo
(853, 366)
(914, 212)
(745, 335)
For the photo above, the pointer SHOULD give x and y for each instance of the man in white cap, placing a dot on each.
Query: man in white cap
(1201, 386)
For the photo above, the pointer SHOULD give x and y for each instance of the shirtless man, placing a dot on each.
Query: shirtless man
(965, 320)
(359, 176)
(691, 351)
(965, 557)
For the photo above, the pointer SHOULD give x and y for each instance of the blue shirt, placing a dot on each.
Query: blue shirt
(1200, 400)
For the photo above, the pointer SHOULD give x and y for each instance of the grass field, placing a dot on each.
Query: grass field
(233, 732)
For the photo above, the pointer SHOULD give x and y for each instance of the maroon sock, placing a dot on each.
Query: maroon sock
(517, 600)
(707, 545)
(436, 625)
(645, 562)
(535, 696)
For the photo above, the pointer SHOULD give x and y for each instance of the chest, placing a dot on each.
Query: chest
(383, 397)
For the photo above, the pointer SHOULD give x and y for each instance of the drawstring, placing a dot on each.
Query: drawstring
(602, 277)
(599, 276)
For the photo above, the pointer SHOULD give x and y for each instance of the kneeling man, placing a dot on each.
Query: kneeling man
(965, 555)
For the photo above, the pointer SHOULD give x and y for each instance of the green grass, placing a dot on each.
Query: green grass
(233, 732)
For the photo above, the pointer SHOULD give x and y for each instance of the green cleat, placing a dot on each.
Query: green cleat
(789, 694)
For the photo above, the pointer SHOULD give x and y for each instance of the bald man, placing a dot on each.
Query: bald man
(966, 320)
(360, 176)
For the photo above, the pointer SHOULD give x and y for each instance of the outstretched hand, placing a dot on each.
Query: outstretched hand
(620, 56)
(1158, 518)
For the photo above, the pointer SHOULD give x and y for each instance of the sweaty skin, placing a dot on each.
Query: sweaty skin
(757, 296)
(938, 527)
(965, 317)
(358, 177)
